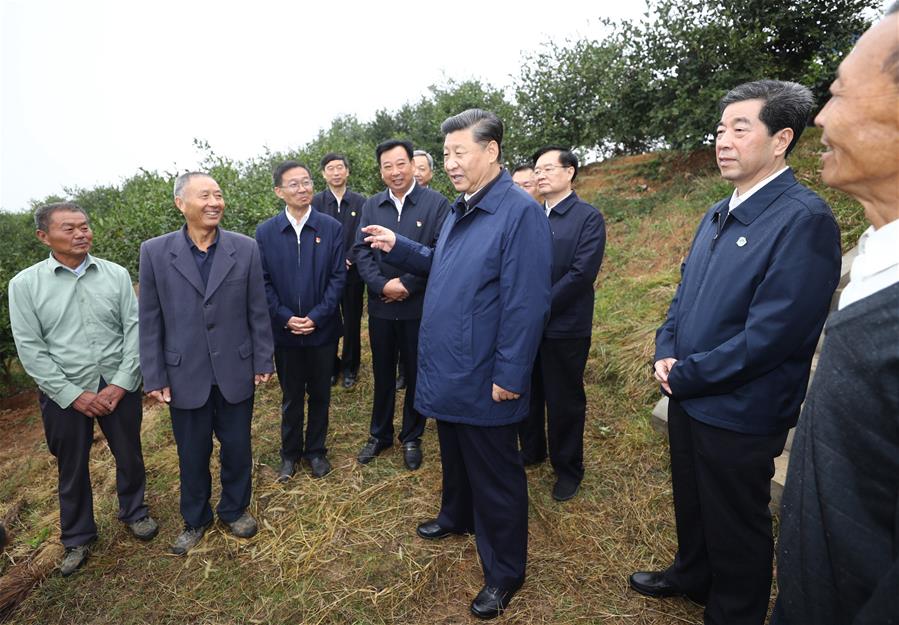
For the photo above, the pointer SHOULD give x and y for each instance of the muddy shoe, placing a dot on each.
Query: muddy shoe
(188, 539)
(244, 527)
(74, 558)
(145, 528)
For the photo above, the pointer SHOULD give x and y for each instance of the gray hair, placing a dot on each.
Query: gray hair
(426, 155)
(43, 213)
(182, 180)
(485, 126)
(787, 105)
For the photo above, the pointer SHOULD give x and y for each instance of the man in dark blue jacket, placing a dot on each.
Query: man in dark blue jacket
(735, 350)
(395, 297)
(484, 311)
(304, 267)
(346, 207)
(579, 239)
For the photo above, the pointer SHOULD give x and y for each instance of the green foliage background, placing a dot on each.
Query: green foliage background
(646, 85)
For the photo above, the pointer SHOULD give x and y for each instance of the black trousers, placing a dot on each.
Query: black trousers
(193, 430)
(302, 371)
(722, 487)
(351, 309)
(485, 490)
(389, 337)
(558, 381)
(69, 437)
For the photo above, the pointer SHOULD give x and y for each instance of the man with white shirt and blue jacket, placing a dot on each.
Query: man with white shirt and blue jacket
(304, 268)
(484, 311)
(735, 351)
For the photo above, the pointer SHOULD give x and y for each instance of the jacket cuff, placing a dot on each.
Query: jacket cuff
(511, 377)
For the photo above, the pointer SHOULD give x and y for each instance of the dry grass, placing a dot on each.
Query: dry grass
(343, 549)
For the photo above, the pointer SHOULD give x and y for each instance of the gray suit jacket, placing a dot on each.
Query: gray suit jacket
(188, 332)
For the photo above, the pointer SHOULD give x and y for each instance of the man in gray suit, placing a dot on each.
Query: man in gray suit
(205, 342)
(838, 557)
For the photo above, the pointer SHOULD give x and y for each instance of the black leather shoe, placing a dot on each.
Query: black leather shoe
(320, 466)
(288, 468)
(371, 449)
(333, 380)
(400, 382)
(412, 455)
(349, 379)
(654, 584)
(565, 489)
(432, 530)
(491, 601)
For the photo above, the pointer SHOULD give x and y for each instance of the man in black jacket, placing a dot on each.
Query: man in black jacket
(579, 239)
(346, 207)
(838, 556)
(395, 297)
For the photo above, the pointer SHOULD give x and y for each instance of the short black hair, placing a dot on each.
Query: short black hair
(485, 126)
(787, 105)
(42, 214)
(333, 156)
(566, 157)
(283, 168)
(523, 167)
(386, 146)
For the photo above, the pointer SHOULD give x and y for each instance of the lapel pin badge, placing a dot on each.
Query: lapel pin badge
(353, 213)
(418, 223)
(318, 239)
(741, 241)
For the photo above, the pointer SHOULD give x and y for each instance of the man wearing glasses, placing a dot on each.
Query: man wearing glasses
(579, 239)
(304, 268)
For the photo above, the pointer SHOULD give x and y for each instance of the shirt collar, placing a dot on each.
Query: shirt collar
(80, 269)
(408, 192)
(190, 242)
(470, 201)
(297, 225)
(737, 199)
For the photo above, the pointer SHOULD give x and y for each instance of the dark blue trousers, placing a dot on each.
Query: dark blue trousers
(721, 481)
(559, 372)
(302, 371)
(193, 430)
(388, 337)
(69, 437)
(485, 490)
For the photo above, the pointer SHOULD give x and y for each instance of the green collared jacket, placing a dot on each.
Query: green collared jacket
(71, 330)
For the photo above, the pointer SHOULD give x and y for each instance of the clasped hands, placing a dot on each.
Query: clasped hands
(101, 403)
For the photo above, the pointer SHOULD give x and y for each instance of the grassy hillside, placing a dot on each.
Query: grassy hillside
(343, 549)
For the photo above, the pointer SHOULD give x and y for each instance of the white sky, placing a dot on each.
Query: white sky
(93, 89)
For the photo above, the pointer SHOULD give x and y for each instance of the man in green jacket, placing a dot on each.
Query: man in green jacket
(74, 320)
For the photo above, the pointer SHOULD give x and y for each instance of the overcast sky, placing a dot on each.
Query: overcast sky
(92, 90)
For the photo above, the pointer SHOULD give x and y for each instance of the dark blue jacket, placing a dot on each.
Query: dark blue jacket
(753, 297)
(485, 307)
(423, 214)
(579, 239)
(349, 213)
(311, 288)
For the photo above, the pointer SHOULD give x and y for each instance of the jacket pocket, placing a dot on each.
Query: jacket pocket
(172, 359)
(246, 350)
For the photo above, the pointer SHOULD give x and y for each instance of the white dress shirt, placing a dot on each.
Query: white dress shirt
(297, 225)
(877, 265)
(399, 202)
